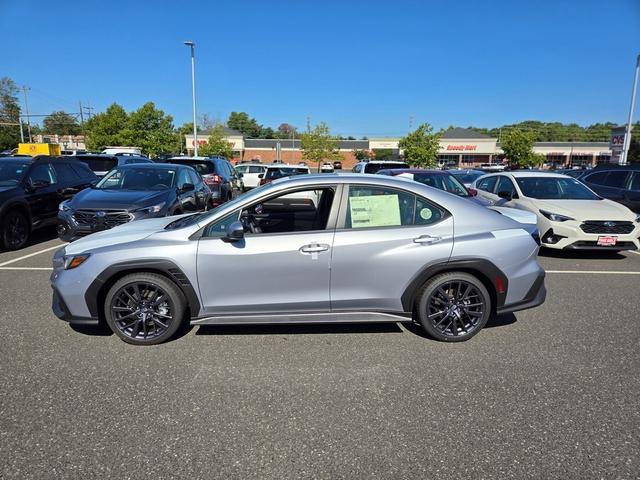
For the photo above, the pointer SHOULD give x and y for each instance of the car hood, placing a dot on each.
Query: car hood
(117, 199)
(7, 190)
(587, 209)
(128, 232)
(521, 216)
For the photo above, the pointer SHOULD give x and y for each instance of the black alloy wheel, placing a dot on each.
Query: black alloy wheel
(454, 306)
(144, 309)
(15, 230)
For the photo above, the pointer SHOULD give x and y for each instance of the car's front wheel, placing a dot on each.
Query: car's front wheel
(453, 306)
(15, 230)
(144, 308)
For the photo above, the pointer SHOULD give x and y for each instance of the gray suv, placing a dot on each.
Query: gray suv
(305, 249)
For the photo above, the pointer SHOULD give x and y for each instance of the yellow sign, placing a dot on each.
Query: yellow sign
(375, 211)
(34, 149)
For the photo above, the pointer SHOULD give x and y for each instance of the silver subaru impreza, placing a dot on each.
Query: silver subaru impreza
(308, 249)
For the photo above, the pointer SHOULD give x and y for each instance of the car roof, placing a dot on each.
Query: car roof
(153, 165)
(530, 173)
(197, 159)
(398, 171)
(286, 165)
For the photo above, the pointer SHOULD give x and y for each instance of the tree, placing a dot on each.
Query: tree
(9, 113)
(61, 123)
(362, 154)
(286, 130)
(106, 128)
(217, 145)
(421, 146)
(383, 153)
(151, 130)
(517, 145)
(319, 145)
(243, 123)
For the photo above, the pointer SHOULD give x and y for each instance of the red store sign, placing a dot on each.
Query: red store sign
(462, 147)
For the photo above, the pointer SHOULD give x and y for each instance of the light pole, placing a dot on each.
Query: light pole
(627, 135)
(192, 45)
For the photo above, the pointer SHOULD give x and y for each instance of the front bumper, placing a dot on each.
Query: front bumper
(568, 235)
(69, 286)
(534, 297)
(61, 311)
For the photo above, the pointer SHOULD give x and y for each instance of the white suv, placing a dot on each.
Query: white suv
(374, 165)
(251, 173)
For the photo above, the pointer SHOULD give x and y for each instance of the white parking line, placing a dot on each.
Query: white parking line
(27, 268)
(596, 272)
(30, 255)
(633, 251)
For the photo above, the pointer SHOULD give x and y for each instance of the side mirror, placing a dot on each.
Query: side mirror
(261, 175)
(506, 195)
(188, 187)
(235, 233)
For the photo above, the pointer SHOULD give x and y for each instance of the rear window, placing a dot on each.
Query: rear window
(374, 167)
(99, 164)
(200, 166)
(273, 173)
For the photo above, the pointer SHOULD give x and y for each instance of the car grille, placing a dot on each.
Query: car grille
(111, 218)
(620, 228)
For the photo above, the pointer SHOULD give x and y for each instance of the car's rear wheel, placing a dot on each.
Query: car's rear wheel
(15, 230)
(453, 306)
(144, 308)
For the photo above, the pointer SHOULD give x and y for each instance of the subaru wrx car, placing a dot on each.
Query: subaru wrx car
(305, 249)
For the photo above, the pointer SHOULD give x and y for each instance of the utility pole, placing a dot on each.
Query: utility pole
(26, 107)
(410, 122)
(308, 124)
(81, 116)
(192, 45)
(627, 133)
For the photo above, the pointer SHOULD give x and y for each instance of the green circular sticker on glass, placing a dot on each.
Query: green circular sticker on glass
(426, 213)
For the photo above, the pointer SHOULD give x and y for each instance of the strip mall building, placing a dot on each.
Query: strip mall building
(466, 148)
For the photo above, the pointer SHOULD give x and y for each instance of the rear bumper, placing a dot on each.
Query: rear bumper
(534, 297)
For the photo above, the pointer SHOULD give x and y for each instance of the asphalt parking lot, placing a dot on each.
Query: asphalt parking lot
(552, 392)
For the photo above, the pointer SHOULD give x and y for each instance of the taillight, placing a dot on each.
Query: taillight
(212, 179)
(472, 191)
(500, 285)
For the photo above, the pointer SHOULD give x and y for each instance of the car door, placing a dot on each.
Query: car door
(252, 175)
(486, 186)
(283, 268)
(200, 189)
(384, 238)
(43, 196)
(187, 198)
(69, 182)
(632, 195)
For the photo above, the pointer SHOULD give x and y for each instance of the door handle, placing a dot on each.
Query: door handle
(314, 248)
(426, 239)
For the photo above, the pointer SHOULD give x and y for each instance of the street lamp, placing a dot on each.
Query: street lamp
(192, 45)
(627, 136)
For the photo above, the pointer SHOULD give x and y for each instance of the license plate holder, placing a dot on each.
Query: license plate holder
(607, 241)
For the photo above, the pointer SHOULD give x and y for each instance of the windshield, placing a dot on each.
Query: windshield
(11, 173)
(448, 183)
(374, 167)
(131, 178)
(203, 167)
(99, 164)
(273, 173)
(468, 177)
(555, 188)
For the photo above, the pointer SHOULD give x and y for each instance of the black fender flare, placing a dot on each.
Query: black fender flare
(485, 270)
(96, 292)
(19, 203)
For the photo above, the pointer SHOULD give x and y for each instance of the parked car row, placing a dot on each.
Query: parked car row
(86, 193)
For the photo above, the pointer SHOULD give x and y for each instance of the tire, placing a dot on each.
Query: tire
(133, 313)
(453, 306)
(15, 230)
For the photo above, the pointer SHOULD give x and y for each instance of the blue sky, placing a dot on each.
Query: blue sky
(363, 67)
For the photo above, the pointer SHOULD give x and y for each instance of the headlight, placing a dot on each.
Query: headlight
(152, 210)
(64, 206)
(73, 261)
(555, 217)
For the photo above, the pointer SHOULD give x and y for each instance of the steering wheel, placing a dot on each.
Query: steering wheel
(159, 186)
(249, 223)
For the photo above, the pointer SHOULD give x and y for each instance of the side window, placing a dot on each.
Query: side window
(242, 169)
(219, 228)
(597, 178)
(357, 168)
(487, 184)
(506, 185)
(82, 170)
(183, 177)
(635, 182)
(42, 174)
(255, 169)
(616, 179)
(370, 206)
(194, 177)
(65, 173)
(299, 211)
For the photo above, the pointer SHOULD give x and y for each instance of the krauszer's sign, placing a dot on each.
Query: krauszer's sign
(465, 148)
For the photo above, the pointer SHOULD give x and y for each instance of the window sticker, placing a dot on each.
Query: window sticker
(374, 211)
(426, 213)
